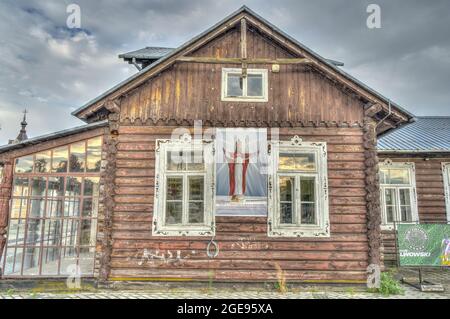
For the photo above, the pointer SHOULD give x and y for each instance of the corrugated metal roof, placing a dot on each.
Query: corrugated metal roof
(52, 136)
(251, 12)
(149, 53)
(426, 134)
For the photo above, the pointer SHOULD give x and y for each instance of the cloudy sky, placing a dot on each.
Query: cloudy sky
(52, 70)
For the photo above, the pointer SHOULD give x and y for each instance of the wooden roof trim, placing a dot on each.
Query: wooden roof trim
(315, 62)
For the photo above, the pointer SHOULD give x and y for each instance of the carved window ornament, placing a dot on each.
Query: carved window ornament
(184, 198)
(446, 175)
(398, 193)
(250, 88)
(298, 189)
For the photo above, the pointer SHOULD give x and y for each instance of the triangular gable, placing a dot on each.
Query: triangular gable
(380, 107)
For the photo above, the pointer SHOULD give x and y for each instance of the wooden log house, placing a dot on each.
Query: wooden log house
(108, 198)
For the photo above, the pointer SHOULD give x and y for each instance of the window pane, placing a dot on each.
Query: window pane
(20, 186)
(299, 161)
(52, 232)
(405, 212)
(384, 176)
(13, 261)
(90, 207)
(94, 154)
(60, 159)
(88, 231)
(77, 157)
(31, 261)
(174, 188)
(55, 186)
(69, 257)
(286, 184)
(16, 232)
(42, 162)
(2, 173)
(38, 185)
(308, 213)
(37, 208)
(234, 85)
(24, 164)
(194, 160)
(307, 189)
(405, 197)
(254, 85)
(196, 188)
(174, 212)
(73, 187)
(286, 199)
(399, 176)
(286, 213)
(19, 207)
(196, 212)
(175, 160)
(389, 194)
(54, 208)
(70, 232)
(91, 186)
(50, 260)
(72, 207)
(34, 232)
(390, 213)
(86, 260)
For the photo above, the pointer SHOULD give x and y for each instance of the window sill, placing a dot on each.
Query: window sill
(184, 231)
(244, 99)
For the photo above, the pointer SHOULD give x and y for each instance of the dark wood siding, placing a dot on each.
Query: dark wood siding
(246, 253)
(430, 197)
(189, 91)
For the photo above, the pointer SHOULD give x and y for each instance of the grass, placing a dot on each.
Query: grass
(388, 285)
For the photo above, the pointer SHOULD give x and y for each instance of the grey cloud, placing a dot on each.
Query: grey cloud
(52, 70)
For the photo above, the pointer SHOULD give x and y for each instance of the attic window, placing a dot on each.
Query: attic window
(251, 88)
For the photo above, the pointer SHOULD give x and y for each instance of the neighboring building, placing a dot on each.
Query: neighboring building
(414, 176)
(112, 198)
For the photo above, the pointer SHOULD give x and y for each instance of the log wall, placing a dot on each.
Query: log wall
(189, 91)
(246, 253)
(430, 197)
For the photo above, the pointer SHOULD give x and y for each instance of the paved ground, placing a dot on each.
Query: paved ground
(442, 276)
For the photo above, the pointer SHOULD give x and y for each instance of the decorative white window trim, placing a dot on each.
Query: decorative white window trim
(322, 226)
(186, 143)
(446, 175)
(388, 163)
(245, 98)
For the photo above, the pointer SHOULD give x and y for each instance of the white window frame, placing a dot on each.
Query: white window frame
(322, 226)
(446, 176)
(244, 97)
(186, 143)
(410, 166)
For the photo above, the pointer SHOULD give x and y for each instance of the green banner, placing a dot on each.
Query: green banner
(424, 244)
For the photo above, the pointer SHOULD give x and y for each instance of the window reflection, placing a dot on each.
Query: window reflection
(53, 216)
(77, 157)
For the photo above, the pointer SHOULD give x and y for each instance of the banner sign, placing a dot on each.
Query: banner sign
(424, 244)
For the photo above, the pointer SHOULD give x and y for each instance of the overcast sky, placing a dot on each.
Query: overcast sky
(52, 70)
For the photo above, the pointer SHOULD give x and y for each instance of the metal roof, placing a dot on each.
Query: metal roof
(148, 53)
(426, 134)
(52, 136)
(270, 25)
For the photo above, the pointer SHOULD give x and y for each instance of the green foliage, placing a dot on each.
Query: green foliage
(389, 285)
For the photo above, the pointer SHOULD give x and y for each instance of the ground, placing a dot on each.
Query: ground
(438, 276)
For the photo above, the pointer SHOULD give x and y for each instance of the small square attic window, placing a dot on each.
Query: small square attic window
(252, 88)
